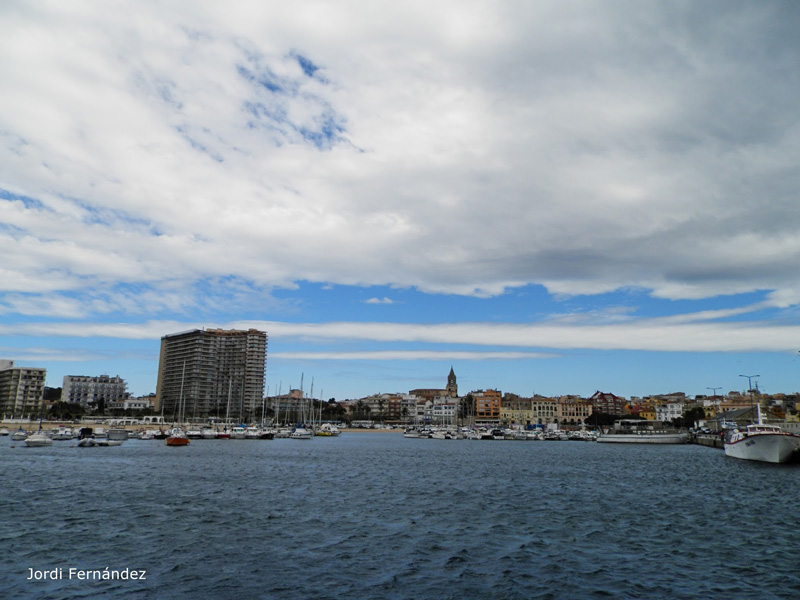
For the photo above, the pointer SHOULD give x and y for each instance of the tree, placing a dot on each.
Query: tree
(65, 411)
(689, 417)
(52, 394)
(599, 419)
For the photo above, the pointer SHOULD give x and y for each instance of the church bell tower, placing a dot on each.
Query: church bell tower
(452, 386)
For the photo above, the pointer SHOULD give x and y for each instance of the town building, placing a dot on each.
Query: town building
(573, 411)
(93, 393)
(21, 390)
(142, 403)
(607, 403)
(212, 372)
(487, 404)
(451, 389)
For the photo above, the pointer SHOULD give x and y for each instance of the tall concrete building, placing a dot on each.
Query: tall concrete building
(93, 392)
(212, 372)
(21, 390)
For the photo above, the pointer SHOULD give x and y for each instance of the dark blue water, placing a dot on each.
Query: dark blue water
(375, 515)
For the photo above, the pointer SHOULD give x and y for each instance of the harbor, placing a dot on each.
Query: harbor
(374, 514)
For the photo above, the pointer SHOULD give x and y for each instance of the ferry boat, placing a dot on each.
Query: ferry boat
(639, 431)
(761, 442)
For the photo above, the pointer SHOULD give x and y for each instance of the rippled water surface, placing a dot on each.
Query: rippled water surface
(375, 515)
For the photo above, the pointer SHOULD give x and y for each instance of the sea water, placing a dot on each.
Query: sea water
(377, 515)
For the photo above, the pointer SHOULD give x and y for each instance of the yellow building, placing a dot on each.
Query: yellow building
(572, 411)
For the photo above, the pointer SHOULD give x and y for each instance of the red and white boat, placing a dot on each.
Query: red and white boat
(177, 437)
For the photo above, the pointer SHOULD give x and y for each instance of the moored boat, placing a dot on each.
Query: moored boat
(640, 431)
(301, 433)
(62, 434)
(761, 442)
(177, 437)
(118, 434)
(327, 430)
(19, 435)
(38, 439)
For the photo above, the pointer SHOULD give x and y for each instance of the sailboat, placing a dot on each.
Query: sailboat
(177, 437)
(39, 439)
(761, 442)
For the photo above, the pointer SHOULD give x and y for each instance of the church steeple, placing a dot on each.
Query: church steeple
(452, 386)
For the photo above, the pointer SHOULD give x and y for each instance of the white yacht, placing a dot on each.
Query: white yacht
(761, 442)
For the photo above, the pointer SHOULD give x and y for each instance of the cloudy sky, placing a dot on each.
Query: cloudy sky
(552, 197)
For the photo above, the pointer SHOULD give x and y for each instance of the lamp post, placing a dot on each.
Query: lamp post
(719, 409)
(750, 386)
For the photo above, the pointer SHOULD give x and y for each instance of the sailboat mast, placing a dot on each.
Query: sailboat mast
(180, 399)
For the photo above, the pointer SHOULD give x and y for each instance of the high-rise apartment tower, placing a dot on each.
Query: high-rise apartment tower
(212, 372)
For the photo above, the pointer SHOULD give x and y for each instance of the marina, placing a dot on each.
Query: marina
(374, 514)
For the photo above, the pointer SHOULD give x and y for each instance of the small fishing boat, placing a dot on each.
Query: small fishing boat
(177, 437)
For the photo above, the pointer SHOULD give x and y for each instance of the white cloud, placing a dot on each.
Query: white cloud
(692, 334)
(383, 300)
(455, 149)
(409, 355)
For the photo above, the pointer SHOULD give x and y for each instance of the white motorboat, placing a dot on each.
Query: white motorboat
(38, 440)
(208, 434)
(19, 435)
(761, 442)
(301, 433)
(252, 433)
(238, 432)
(61, 434)
(640, 431)
(4, 431)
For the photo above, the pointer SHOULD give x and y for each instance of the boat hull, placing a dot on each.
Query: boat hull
(177, 441)
(771, 448)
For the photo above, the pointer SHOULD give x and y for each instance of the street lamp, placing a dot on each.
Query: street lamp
(750, 386)
(719, 409)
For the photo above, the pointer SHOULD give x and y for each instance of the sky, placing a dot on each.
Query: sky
(550, 197)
